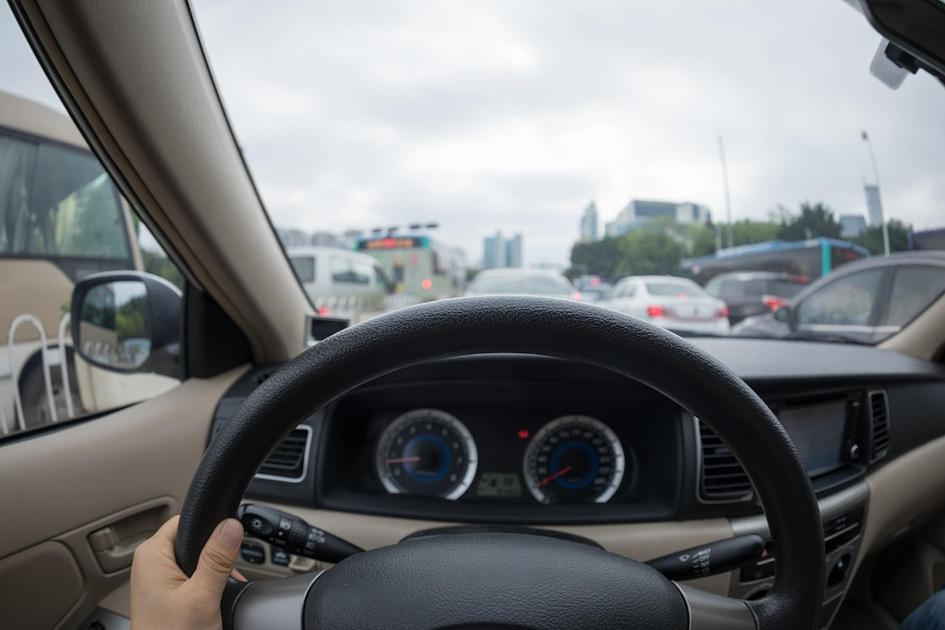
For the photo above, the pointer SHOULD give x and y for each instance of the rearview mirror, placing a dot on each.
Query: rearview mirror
(783, 315)
(916, 30)
(127, 322)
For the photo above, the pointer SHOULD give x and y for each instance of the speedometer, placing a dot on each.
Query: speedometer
(426, 452)
(574, 459)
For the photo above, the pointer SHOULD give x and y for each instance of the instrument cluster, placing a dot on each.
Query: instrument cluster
(568, 459)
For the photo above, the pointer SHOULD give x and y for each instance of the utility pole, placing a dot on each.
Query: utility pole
(882, 215)
(728, 199)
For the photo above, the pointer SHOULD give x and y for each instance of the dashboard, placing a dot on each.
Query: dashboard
(530, 440)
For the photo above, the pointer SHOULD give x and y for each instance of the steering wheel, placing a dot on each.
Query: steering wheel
(501, 579)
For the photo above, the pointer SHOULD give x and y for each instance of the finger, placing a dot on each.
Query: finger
(218, 558)
(238, 576)
(162, 540)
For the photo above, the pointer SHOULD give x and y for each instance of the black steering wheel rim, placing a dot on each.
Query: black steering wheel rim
(548, 326)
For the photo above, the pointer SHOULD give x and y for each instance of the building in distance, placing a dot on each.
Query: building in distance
(640, 211)
(589, 223)
(499, 252)
(851, 225)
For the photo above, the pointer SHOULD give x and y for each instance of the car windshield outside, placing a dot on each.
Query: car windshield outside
(674, 289)
(594, 140)
(522, 284)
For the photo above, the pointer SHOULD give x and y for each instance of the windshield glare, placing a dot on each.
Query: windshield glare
(599, 140)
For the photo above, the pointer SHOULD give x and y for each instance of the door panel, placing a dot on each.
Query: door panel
(38, 586)
(129, 470)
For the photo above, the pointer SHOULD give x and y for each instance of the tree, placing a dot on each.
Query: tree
(872, 237)
(651, 251)
(599, 258)
(748, 231)
(814, 221)
(701, 239)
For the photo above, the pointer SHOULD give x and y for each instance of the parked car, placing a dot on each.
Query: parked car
(521, 282)
(865, 301)
(751, 293)
(675, 303)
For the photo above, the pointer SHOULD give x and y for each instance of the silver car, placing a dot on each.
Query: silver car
(678, 304)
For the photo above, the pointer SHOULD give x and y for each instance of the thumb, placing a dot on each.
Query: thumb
(218, 558)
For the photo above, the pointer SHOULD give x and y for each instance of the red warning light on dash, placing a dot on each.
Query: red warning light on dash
(523, 434)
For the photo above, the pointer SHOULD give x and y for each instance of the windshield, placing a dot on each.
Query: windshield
(604, 140)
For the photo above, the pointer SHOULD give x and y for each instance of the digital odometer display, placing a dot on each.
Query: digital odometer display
(426, 452)
(574, 459)
(495, 485)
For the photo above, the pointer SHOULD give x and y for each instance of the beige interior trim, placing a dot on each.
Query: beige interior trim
(903, 494)
(924, 337)
(48, 568)
(137, 78)
(146, 451)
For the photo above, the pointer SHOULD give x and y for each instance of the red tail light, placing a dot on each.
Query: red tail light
(773, 302)
(577, 296)
(323, 311)
(655, 311)
(722, 312)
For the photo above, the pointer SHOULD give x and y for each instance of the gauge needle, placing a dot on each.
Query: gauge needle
(403, 460)
(550, 478)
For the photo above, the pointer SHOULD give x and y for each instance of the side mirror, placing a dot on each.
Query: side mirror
(128, 322)
(783, 315)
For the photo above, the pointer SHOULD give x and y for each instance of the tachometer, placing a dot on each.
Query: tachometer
(426, 452)
(574, 459)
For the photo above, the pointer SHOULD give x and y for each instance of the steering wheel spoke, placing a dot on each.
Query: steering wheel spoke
(708, 611)
(277, 604)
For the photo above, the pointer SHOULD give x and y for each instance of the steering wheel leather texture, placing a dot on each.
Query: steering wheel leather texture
(503, 579)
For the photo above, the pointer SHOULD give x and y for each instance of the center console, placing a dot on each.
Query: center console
(843, 515)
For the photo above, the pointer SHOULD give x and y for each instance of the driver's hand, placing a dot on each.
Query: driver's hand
(162, 596)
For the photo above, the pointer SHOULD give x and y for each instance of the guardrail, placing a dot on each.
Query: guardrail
(19, 417)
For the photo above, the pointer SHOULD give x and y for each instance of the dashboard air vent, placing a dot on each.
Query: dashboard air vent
(289, 459)
(722, 478)
(879, 421)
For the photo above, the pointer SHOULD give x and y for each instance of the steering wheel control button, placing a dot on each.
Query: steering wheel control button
(280, 557)
(292, 535)
(716, 557)
(253, 553)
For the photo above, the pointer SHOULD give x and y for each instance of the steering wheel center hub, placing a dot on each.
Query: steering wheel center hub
(493, 580)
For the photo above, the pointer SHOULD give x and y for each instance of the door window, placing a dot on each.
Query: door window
(914, 289)
(848, 301)
(304, 268)
(347, 271)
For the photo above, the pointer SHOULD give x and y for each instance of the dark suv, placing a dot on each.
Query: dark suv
(752, 293)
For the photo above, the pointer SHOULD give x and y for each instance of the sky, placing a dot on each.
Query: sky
(513, 115)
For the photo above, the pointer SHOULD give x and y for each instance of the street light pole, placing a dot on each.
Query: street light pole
(728, 199)
(869, 146)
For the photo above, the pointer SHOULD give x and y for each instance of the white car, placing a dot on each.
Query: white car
(678, 304)
(521, 282)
